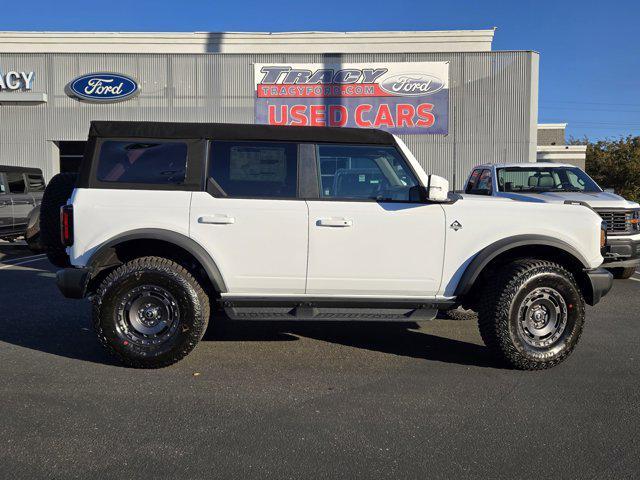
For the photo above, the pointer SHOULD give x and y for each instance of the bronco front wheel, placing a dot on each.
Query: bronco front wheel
(150, 312)
(532, 314)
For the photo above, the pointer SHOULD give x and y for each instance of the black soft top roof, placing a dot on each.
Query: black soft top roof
(14, 169)
(231, 131)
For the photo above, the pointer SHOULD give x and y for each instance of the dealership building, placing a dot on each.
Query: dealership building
(452, 99)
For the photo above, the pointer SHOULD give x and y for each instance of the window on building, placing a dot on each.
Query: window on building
(16, 183)
(71, 155)
(364, 172)
(148, 162)
(255, 169)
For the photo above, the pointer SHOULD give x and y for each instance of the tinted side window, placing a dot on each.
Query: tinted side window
(16, 183)
(484, 183)
(473, 180)
(364, 172)
(143, 162)
(36, 182)
(255, 169)
(482, 186)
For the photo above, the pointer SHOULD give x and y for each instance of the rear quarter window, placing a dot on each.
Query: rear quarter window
(473, 180)
(480, 182)
(36, 182)
(143, 162)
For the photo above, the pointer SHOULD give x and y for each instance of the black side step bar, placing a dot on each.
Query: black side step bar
(332, 309)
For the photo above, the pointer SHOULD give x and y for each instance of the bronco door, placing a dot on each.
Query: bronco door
(366, 234)
(250, 218)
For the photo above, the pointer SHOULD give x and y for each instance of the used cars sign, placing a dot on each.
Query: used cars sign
(103, 87)
(400, 97)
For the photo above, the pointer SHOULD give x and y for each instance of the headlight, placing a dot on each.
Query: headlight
(603, 235)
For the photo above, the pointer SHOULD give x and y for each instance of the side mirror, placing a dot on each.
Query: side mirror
(437, 189)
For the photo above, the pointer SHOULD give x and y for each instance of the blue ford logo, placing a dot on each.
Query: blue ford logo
(104, 87)
(411, 84)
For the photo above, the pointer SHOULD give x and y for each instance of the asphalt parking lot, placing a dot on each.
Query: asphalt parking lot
(309, 401)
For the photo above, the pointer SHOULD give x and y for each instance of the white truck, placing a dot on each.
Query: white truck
(169, 225)
(561, 183)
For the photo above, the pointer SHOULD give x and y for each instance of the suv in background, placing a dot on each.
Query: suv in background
(21, 191)
(169, 223)
(559, 183)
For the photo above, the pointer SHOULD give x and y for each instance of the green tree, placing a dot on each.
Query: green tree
(616, 164)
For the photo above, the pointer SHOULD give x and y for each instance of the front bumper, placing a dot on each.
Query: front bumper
(622, 251)
(72, 282)
(600, 281)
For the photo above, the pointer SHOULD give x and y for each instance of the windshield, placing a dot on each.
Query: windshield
(545, 179)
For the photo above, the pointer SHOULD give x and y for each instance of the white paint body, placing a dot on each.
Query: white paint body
(321, 248)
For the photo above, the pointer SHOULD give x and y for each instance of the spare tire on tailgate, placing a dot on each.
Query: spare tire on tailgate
(55, 196)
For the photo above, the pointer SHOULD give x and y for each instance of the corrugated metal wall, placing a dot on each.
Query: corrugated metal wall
(493, 102)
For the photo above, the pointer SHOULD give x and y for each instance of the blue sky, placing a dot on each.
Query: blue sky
(589, 51)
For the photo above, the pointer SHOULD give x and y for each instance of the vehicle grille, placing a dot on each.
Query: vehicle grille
(618, 221)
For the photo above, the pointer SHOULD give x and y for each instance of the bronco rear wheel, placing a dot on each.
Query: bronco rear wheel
(150, 312)
(532, 314)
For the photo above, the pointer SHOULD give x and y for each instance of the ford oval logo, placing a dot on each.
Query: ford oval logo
(412, 84)
(104, 87)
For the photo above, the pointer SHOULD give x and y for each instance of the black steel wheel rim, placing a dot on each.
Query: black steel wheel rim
(542, 317)
(148, 315)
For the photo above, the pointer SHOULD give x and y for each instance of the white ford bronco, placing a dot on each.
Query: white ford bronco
(561, 183)
(169, 225)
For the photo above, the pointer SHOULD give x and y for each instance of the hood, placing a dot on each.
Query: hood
(593, 199)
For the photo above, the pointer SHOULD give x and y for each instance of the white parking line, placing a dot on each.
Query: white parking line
(635, 279)
(25, 262)
(42, 255)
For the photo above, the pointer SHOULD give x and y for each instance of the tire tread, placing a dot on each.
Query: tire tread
(161, 265)
(494, 307)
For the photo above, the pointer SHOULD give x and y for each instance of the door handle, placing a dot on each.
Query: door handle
(217, 219)
(334, 222)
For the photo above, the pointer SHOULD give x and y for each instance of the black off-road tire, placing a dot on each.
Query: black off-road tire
(500, 313)
(32, 235)
(112, 322)
(55, 196)
(34, 243)
(623, 273)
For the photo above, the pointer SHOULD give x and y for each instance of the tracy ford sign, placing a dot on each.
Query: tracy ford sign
(103, 87)
(13, 80)
(400, 97)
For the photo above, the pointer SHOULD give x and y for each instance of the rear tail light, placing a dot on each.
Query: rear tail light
(66, 225)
